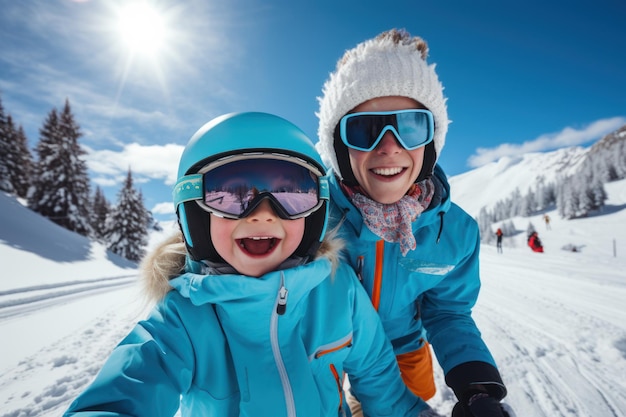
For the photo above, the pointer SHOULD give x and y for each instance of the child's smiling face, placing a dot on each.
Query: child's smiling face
(258, 243)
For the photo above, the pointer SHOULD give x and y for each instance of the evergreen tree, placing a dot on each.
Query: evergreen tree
(508, 228)
(549, 195)
(569, 199)
(619, 158)
(39, 197)
(485, 220)
(100, 209)
(60, 188)
(585, 201)
(126, 226)
(527, 204)
(598, 194)
(560, 198)
(21, 171)
(517, 203)
(5, 143)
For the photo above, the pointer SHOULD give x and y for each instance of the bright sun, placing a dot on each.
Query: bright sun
(142, 28)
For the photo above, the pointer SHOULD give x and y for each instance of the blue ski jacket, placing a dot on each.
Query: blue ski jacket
(429, 293)
(232, 345)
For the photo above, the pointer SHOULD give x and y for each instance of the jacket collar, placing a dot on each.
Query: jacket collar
(226, 288)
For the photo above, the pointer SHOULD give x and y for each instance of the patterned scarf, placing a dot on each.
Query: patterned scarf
(392, 222)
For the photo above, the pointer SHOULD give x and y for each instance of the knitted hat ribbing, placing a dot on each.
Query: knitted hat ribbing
(379, 67)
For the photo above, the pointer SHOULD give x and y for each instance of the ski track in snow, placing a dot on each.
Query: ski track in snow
(19, 301)
(533, 337)
(71, 362)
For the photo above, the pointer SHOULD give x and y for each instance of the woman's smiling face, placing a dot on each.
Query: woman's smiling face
(388, 171)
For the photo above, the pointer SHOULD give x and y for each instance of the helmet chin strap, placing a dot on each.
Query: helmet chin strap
(198, 242)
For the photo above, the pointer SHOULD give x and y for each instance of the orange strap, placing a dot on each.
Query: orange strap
(378, 273)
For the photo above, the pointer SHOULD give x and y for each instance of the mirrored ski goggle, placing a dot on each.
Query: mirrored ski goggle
(234, 186)
(363, 131)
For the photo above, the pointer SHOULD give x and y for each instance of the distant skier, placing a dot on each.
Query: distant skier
(499, 241)
(534, 242)
(546, 219)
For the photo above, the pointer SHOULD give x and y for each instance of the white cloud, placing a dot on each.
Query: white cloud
(550, 141)
(106, 181)
(154, 161)
(163, 208)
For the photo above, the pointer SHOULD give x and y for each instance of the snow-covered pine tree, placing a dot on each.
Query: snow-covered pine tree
(126, 227)
(517, 203)
(569, 198)
(21, 162)
(100, 209)
(527, 204)
(60, 189)
(80, 198)
(39, 198)
(619, 158)
(508, 228)
(5, 143)
(485, 220)
(598, 193)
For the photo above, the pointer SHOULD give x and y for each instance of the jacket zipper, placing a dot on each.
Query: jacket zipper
(323, 352)
(281, 305)
(339, 388)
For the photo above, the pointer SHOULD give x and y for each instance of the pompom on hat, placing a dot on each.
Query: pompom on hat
(391, 64)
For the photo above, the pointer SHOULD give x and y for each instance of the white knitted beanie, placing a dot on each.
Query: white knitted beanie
(379, 67)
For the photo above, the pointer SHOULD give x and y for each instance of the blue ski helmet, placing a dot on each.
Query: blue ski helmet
(233, 134)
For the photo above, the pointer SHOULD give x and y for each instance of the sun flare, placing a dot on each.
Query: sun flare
(142, 28)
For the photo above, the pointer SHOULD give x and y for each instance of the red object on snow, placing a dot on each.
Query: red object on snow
(535, 243)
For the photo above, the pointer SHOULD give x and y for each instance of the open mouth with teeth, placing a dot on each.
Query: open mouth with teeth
(258, 246)
(388, 172)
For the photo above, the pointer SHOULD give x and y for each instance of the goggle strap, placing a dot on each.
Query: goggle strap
(188, 188)
(324, 189)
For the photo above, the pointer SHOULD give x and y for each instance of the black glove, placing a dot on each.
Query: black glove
(482, 405)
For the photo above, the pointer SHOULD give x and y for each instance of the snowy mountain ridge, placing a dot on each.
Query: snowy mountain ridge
(490, 183)
(485, 186)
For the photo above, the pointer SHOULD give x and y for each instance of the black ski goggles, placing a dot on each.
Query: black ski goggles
(363, 131)
(232, 187)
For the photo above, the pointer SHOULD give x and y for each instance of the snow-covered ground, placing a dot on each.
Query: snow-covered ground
(556, 321)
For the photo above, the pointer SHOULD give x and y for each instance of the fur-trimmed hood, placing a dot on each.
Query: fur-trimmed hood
(169, 259)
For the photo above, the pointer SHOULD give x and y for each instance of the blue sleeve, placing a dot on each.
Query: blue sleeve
(146, 373)
(446, 312)
(372, 367)
(446, 309)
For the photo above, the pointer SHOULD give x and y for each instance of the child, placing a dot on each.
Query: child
(382, 125)
(255, 316)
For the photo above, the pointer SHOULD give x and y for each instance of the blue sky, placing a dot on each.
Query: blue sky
(519, 76)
